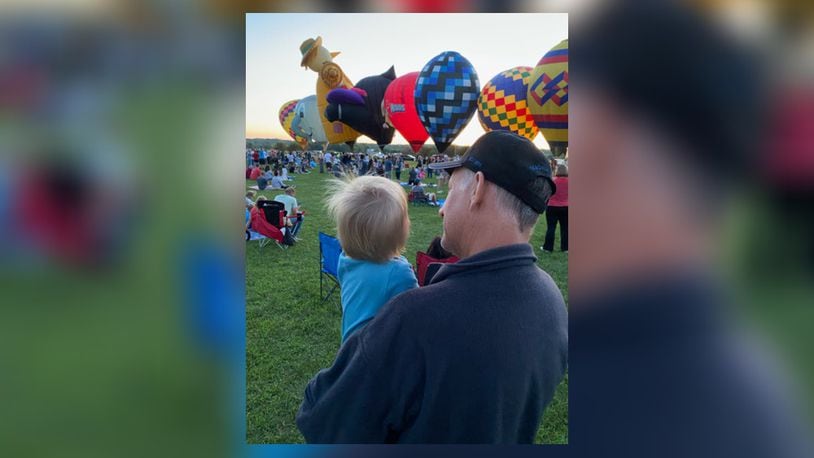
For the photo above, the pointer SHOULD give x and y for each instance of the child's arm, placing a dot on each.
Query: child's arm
(402, 278)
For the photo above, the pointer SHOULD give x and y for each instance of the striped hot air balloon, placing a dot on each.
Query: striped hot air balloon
(446, 97)
(548, 97)
(502, 104)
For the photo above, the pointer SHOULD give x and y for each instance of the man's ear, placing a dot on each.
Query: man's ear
(479, 190)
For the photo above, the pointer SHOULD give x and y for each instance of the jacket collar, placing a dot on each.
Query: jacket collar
(495, 258)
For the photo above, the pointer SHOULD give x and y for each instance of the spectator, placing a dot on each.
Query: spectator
(262, 182)
(277, 181)
(557, 212)
(413, 176)
(249, 202)
(437, 251)
(255, 173)
(388, 168)
(294, 216)
(372, 227)
(419, 194)
(328, 161)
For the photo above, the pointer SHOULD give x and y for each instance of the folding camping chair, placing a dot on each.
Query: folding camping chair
(422, 265)
(329, 250)
(274, 214)
(418, 197)
(274, 211)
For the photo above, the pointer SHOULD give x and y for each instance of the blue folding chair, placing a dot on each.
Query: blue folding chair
(329, 250)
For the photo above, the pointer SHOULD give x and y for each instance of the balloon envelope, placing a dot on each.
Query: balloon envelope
(335, 132)
(366, 118)
(502, 103)
(548, 96)
(446, 96)
(307, 122)
(399, 105)
(286, 114)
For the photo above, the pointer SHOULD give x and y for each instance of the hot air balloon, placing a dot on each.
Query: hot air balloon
(446, 96)
(361, 107)
(287, 112)
(502, 103)
(330, 76)
(400, 110)
(307, 122)
(548, 97)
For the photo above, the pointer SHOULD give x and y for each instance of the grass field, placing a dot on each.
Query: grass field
(290, 334)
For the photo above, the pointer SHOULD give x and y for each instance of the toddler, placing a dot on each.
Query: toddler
(372, 228)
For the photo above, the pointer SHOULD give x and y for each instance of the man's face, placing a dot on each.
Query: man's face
(455, 213)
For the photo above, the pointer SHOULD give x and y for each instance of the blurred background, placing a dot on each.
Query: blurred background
(121, 249)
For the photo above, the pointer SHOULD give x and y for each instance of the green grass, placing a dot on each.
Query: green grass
(290, 335)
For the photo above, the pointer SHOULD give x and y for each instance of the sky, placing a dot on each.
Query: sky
(371, 43)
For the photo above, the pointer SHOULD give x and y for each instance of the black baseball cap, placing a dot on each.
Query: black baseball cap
(509, 161)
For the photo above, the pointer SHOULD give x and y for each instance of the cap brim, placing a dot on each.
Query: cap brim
(447, 165)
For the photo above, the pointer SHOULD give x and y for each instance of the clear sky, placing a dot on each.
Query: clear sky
(371, 43)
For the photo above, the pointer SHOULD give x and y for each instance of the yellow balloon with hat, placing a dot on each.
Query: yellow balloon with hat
(317, 58)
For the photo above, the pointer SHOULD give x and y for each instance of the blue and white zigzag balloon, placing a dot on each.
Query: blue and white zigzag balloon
(446, 96)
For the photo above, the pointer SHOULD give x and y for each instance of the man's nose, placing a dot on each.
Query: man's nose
(441, 212)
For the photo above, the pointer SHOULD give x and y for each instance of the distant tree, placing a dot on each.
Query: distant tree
(427, 150)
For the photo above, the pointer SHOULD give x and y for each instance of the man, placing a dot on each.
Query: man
(262, 182)
(328, 160)
(399, 164)
(413, 175)
(388, 167)
(292, 208)
(475, 356)
(418, 194)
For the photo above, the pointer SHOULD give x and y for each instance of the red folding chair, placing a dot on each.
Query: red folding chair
(269, 221)
(423, 261)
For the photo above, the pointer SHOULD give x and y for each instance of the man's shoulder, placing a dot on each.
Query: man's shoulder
(411, 306)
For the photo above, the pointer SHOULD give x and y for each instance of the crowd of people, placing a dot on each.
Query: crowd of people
(265, 164)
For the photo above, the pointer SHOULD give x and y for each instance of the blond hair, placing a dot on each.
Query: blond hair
(371, 217)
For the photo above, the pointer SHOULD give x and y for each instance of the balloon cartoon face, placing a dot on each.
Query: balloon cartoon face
(360, 107)
(400, 110)
(548, 96)
(502, 103)
(446, 96)
(307, 122)
(314, 55)
(287, 113)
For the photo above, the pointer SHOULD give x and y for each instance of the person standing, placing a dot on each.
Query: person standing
(328, 160)
(557, 212)
(388, 168)
(399, 163)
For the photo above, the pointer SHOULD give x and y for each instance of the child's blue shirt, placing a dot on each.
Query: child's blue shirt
(367, 286)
